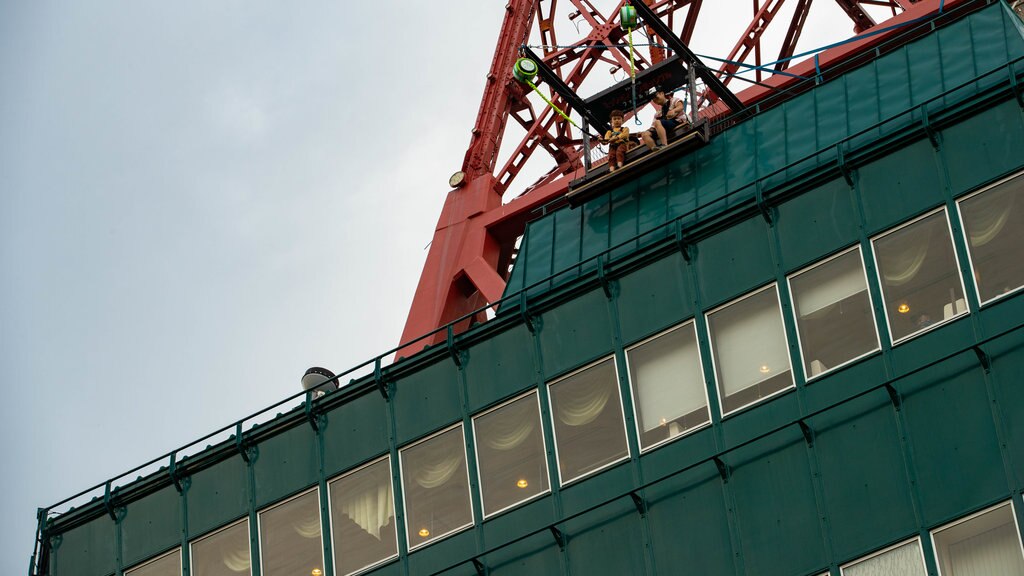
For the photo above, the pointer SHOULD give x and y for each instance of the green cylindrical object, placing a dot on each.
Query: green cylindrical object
(627, 17)
(524, 70)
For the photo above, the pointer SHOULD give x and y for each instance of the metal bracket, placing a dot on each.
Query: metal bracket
(807, 432)
(481, 570)
(559, 537)
(844, 169)
(640, 503)
(762, 205)
(180, 482)
(243, 447)
(1018, 91)
(311, 413)
(378, 377)
(602, 277)
(933, 135)
(453, 351)
(524, 313)
(983, 359)
(682, 242)
(723, 469)
(108, 502)
(894, 397)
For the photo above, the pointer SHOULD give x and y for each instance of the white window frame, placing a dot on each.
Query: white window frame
(796, 319)
(405, 500)
(956, 260)
(967, 240)
(920, 550)
(714, 363)
(544, 443)
(248, 541)
(969, 517)
(622, 412)
(140, 565)
(394, 514)
(319, 515)
(632, 396)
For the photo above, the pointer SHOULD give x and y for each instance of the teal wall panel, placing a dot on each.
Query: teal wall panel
(356, 431)
(390, 569)
(603, 485)
(988, 146)
(838, 385)
(87, 550)
(1008, 375)
(535, 555)
(956, 452)
(777, 517)
(865, 488)
(444, 553)
(679, 179)
(653, 298)
(510, 525)
(667, 458)
(287, 463)
(826, 214)
(539, 243)
(624, 221)
(772, 149)
(218, 495)
(898, 185)
(863, 104)
(606, 541)
(566, 244)
(575, 332)
(427, 400)
(734, 261)
(151, 525)
(500, 366)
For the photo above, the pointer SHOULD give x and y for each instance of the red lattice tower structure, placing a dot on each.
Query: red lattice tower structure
(475, 238)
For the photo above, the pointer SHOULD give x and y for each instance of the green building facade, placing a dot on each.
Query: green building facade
(795, 351)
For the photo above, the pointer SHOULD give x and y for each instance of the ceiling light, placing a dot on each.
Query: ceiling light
(764, 369)
(316, 572)
(424, 532)
(522, 483)
(903, 308)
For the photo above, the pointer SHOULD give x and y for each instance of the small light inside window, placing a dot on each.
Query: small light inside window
(764, 369)
(664, 421)
(424, 532)
(903, 308)
(316, 572)
(522, 483)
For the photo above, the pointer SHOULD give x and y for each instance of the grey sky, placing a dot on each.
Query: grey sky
(199, 200)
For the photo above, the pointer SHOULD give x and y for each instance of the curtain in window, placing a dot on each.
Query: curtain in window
(371, 508)
(237, 561)
(902, 258)
(828, 290)
(583, 404)
(903, 561)
(992, 553)
(666, 373)
(511, 426)
(986, 215)
(750, 342)
(308, 528)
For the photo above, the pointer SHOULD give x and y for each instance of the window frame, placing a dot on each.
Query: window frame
(632, 396)
(469, 489)
(544, 443)
(394, 513)
(228, 526)
(714, 363)
(622, 413)
(901, 543)
(969, 517)
(959, 273)
(796, 320)
(967, 241)
(144, 563)
(279, 503)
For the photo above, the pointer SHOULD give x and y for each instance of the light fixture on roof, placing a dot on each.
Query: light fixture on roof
(320, 380)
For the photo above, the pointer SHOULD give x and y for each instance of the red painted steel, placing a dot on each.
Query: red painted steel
(474, 241)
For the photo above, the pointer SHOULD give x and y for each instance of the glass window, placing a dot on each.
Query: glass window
(167, 565)
(436, 484)
(510, 454)
(900, 560)
(290, 537)
(994, 225)
(834, 320)
(749, 348)
(986, 543)
(586, 412)
(921, 286)
(223, 553)
(363, 518)
(668, 385)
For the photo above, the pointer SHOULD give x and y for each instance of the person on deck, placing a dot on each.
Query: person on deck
(618, 141)
(670, 114)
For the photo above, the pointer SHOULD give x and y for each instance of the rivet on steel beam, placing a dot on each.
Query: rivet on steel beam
(559, 537)
(983, 359)
(894, 397)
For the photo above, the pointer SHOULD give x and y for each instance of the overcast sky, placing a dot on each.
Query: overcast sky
(199, 200)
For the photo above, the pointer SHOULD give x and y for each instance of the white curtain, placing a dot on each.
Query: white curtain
(582, 404)
(750, 342)
(237, 561)
(511, 426)
(992, 553)
(439, 472)
(903, 561)
(987, 214)
(308, 528)
(845, 281)
(370, 508)
(667, 376)
(901, 257)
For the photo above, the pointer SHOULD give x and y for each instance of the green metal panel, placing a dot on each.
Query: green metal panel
(922, 349)
(566, 244)
(499, 366)
(741, 152)
(218, 495)
(847, 380)
(866, 490)
(87, 550)
(989, 145)
(575, 333)
(1007, 355)
(427, 400)
(594, 236)
(653, 298)
(863, 103)
(514, 524)
(689, 524)
(624, 221)
(535, 555)
(443, 553)
(391, 569)
(356, 432)
(287, 463)
(668, 457)
(539, 242)
(777, 517)
(772, 147)
(151, 525)
(898, 185)
(606, 541)
(597, 488)
(734, 261)
(825, 214)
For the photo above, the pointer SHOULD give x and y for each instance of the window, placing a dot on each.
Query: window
(363, 518)
(750, 352)
(834, 321)
(901, 560)
(290, 537)
(921, 287)
(668, 385)
(223, 553)
(986, 543)
(167, 565)
(510, 454)
(436, 484)
(994, 225)
(586, 413)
